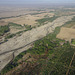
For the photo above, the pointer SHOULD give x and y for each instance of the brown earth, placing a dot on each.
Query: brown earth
(27, 19)
(3, 23)
(66, 34)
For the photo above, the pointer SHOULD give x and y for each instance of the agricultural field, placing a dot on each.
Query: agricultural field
(68, 31)
(66, 34)
(28, 19)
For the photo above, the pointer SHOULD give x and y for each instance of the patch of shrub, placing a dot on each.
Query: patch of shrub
(3, 30)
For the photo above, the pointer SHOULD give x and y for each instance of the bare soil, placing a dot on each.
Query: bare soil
(66, 34)
(3, 23)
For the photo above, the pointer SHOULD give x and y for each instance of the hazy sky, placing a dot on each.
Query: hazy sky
(35, 1)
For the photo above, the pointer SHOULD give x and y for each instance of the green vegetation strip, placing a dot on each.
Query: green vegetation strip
(3, 30)
(73, 41)
(35, 13)
(10, 17)
(46, 19)
(14, 24)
